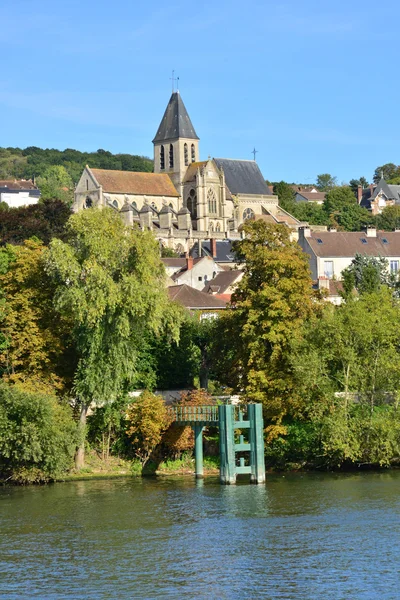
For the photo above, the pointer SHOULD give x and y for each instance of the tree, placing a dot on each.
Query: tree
(37, 436)
(389, 219)
(366, 274)
(110, 282)
(387, 171)
(311, 212)
(343, 210)
(355, 183)
(36, 351)
(270, 305)
(147, 420)
(56, 184)
(326, 182)
(43, 221)
(285, 195)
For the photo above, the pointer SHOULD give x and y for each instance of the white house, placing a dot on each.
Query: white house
(18, 193)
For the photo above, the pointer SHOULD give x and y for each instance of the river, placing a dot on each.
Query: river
(311, 536)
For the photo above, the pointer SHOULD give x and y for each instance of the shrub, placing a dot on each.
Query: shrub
(37, 436)
(147, 419)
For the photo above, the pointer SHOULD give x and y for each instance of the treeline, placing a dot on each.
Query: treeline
(32, 162)
(86, 320)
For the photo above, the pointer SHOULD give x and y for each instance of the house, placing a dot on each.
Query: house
(377, 197)
(330, 252)
(312, 195)
(331, 288)
(220, 250)
(16, 193)
(224, 283)
(196, 272)
(186, 199)
(205, 305)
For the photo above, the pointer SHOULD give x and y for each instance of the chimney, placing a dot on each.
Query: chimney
(305, 231)
(359, 193)
(332, 230)
(372, 188)
(371, 232)
(199, 247)
(189, 262)
(323, 283)
(213, 247)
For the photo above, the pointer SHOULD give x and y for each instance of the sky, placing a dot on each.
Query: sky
(312, 86)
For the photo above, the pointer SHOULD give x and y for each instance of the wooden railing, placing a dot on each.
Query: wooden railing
(188, 415)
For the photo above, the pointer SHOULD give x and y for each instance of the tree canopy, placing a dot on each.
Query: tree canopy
(326, 182)
(43, 221)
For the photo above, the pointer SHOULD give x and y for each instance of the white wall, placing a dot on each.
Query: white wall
(19, 199)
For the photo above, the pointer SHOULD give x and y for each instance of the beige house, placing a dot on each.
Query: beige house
(185, 200)
(330, 252)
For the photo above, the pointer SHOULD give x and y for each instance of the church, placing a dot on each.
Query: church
(185, 200)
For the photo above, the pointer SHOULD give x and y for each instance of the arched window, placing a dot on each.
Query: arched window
(162, 158)
(248, 213)
(171, 156)
(193, 153)
(212, 202)
(88, 203)
(211, 227)
(186, 154)
(191, 203)
(115, 204)
(218, 227)
(171, 205)
(134, 204)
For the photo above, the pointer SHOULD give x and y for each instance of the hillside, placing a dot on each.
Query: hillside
(33, 162)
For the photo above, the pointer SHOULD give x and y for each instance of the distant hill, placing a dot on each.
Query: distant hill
(32, 162)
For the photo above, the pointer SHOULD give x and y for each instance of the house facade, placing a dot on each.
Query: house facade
(330, 252)
(16, 193)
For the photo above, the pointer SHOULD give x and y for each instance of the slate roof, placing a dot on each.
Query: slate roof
(194, 299)
(175, 122)
(243, 176)
(222, 281)
(392, 192)
(348, 243)
(224, 251)
(133, 182)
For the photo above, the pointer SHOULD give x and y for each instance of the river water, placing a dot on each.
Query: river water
(299, 536)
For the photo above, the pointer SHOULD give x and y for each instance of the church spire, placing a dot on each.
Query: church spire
(176, 122)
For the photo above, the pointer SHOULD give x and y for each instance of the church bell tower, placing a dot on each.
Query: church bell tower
(176, 144)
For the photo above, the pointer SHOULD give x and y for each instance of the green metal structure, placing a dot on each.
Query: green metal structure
(239, 456)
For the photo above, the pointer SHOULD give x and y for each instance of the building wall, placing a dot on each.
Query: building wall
(201, 273)
(14, 200)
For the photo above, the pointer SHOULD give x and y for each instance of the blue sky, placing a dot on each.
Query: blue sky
(312, 85)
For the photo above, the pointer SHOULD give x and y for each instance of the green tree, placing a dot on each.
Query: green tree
(56, 184)
(326, 182)
(389, 219)
(366, 274)
(343, 210)
(43, 221)
(37, 436)
(285, 195)
(270, 305)
(110, 282)
(311, 212)
(387, 171)
(355, 183)
(147, 420)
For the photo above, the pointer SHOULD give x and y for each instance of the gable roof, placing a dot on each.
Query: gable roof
(222, 281)
(315, 196)
(18, 185)
(133, 182)
(243, 176)
(194, 299)
(392, 192)
(175, 122)
(348, 243)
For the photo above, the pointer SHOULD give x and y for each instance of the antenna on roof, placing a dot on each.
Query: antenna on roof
(254, 152)
(173, 79)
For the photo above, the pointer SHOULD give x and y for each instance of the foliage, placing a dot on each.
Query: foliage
(147, 420)
(285, 195)
(111, 283)
(387, 171)
(181, 439)
(107, 427)
(168, 252)
(355, 183)
(36, 436)
(43, 221)
(56, 184)
(33, 162)
(326, 182)
(343, 210)
(36, 350)
(389, 218)
(311, 212)
(269, 307)
(366, 274)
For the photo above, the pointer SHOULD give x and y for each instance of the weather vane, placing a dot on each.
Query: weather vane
(173, 79)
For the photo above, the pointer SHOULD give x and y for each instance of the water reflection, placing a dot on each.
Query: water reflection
(303, 536)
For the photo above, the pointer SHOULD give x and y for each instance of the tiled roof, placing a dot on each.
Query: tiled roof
(222, 281)
(132, 182)
(194, 299)
(349, 243)
(174, 262)
(310, 196)
(17, 184)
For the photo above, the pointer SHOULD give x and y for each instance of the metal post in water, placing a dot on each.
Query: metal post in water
(198, 450)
